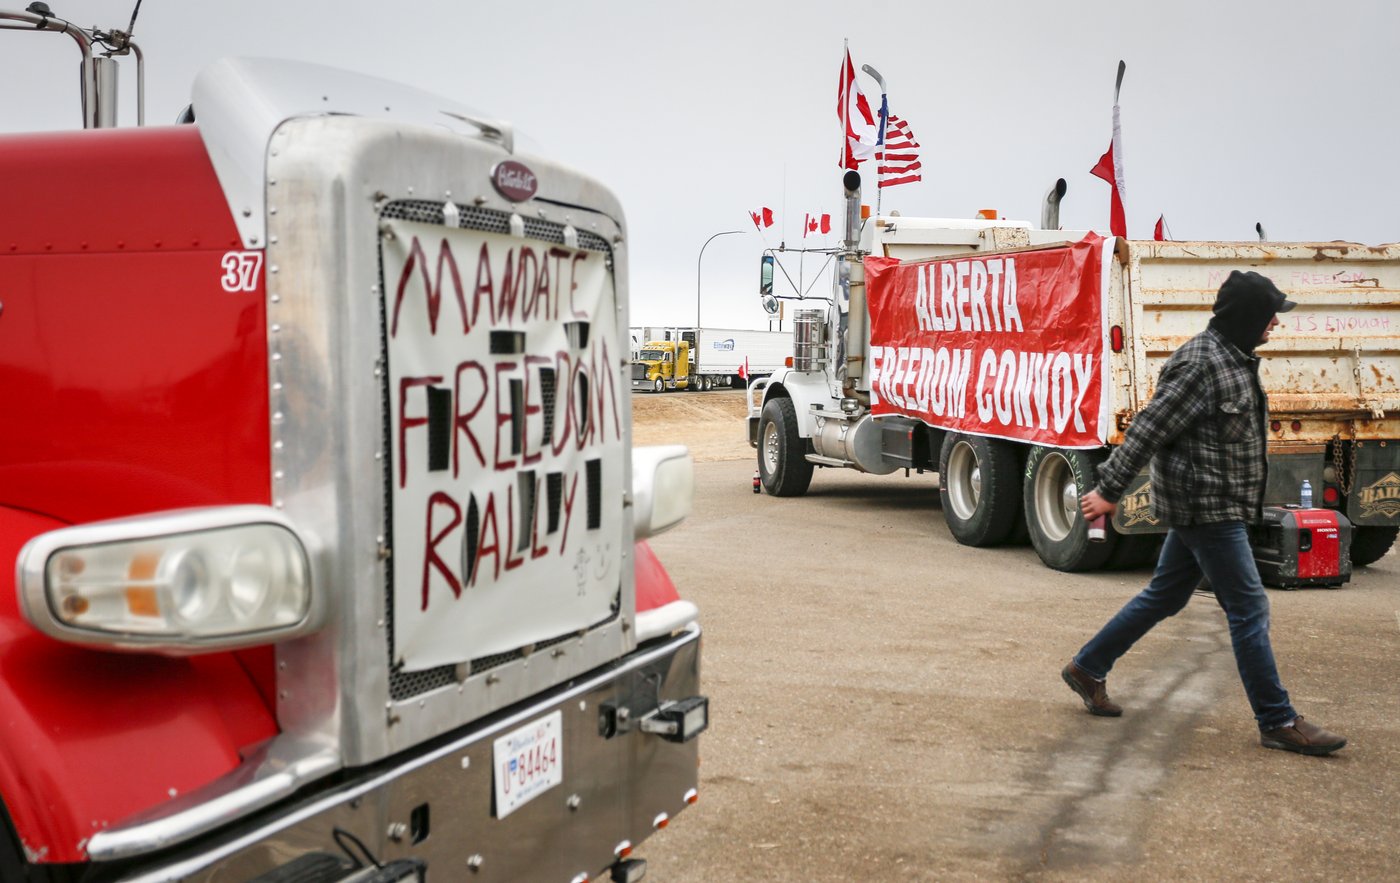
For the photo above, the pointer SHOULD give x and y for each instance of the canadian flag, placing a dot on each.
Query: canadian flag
(816, 223)
(861, 133)
(1110, 168)
(744, 369)
(762, 217)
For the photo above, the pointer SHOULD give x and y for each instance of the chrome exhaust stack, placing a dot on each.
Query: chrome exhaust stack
(851, 181)
(1050, 210)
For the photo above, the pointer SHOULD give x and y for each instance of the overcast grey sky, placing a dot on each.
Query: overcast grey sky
(1233, 112)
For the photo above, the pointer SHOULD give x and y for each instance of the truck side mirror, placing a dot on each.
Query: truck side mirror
(765, 275)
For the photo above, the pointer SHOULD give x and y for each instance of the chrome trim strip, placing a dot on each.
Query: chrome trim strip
(117, 843)
(665, 619)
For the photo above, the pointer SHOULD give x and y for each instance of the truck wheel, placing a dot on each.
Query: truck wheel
(782, 462)
(1055, 477)
(1369, 544)
(659, 385)
(1135, 550)
(979, 486)
(706, 384)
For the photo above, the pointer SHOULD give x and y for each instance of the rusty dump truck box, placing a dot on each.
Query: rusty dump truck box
(1336, 358)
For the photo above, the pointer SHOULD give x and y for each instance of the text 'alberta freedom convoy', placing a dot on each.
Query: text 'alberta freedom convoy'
(957, 349)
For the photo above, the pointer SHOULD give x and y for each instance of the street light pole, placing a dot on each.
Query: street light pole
(698, 266)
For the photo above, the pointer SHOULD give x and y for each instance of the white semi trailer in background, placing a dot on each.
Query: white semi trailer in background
(1011, 359)
(705, 358)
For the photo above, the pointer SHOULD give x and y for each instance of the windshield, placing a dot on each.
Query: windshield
(652, 355)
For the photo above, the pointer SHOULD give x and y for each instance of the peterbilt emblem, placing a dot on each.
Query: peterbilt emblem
(1381, 498)
(514, 180)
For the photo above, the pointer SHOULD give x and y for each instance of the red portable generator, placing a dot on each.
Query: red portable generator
(1303, 547)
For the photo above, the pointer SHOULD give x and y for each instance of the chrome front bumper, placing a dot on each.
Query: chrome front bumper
(437, 805)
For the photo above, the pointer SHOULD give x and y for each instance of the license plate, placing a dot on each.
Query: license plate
(528, 762)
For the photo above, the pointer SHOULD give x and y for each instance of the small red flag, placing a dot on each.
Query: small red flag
(744, 368)
(762, 218)
(1158, 233)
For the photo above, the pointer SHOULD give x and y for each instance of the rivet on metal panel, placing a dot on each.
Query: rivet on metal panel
(466, 762)
(410, 190)
(583, 705)
(379, 455)
(273, 269)
(252, 240)
(276, 416)
(277, 504)
(543, 214)
(277, 445)
(247, 213)
(276, 328)
(475, 863)
(276, 298)
(479, 200)
(283, 694)
(379, 624)
(573, 802)
(272, 210)
(493, 678)
(172, 792)
(558, 651)
(278, 475)
(422, 703)
(277, 387)
(276, 357)
(272, 240)
(282, 666)
(272, 182)
(397, 830)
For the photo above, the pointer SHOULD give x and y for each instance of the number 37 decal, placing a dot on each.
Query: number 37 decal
(241, 270)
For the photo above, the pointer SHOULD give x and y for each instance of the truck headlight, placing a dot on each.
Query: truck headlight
(178, 582)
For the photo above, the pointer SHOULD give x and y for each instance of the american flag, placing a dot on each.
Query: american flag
(899, 164)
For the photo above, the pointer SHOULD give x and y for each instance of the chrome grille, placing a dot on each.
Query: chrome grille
(402, 684)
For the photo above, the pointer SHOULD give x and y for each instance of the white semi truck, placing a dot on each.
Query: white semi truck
(1011, 359)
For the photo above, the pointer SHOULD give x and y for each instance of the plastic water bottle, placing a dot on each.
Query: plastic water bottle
(1305, 498)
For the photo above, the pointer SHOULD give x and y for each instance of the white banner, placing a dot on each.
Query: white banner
(505, 441)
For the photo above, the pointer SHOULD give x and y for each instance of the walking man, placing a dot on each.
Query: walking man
(1204, 434)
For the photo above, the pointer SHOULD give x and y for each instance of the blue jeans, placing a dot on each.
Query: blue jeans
(1220, 551)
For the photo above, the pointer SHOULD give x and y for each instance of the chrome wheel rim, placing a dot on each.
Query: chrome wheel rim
(1056, 497)
(770, 446)
(964, 480)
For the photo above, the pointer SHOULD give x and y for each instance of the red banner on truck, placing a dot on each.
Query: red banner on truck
(1009, 346)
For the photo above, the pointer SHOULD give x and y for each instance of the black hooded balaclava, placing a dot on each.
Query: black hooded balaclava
(1244, 306)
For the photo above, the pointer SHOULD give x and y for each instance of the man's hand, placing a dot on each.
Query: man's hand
(1093, 505)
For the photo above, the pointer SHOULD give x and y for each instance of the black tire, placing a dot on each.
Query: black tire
(979, 485)
(1369, 544)
(783, 467)
(1133, 551)
(706, 383)
(1055, 479)
(659, 385)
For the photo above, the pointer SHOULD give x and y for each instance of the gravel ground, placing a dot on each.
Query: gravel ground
(887, 704)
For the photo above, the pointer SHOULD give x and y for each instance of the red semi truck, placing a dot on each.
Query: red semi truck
(325, 534)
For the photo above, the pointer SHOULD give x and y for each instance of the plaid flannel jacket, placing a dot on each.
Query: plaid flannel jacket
(1204, 433)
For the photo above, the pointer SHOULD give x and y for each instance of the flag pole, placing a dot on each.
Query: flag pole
(880, 137)
(845, 100)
